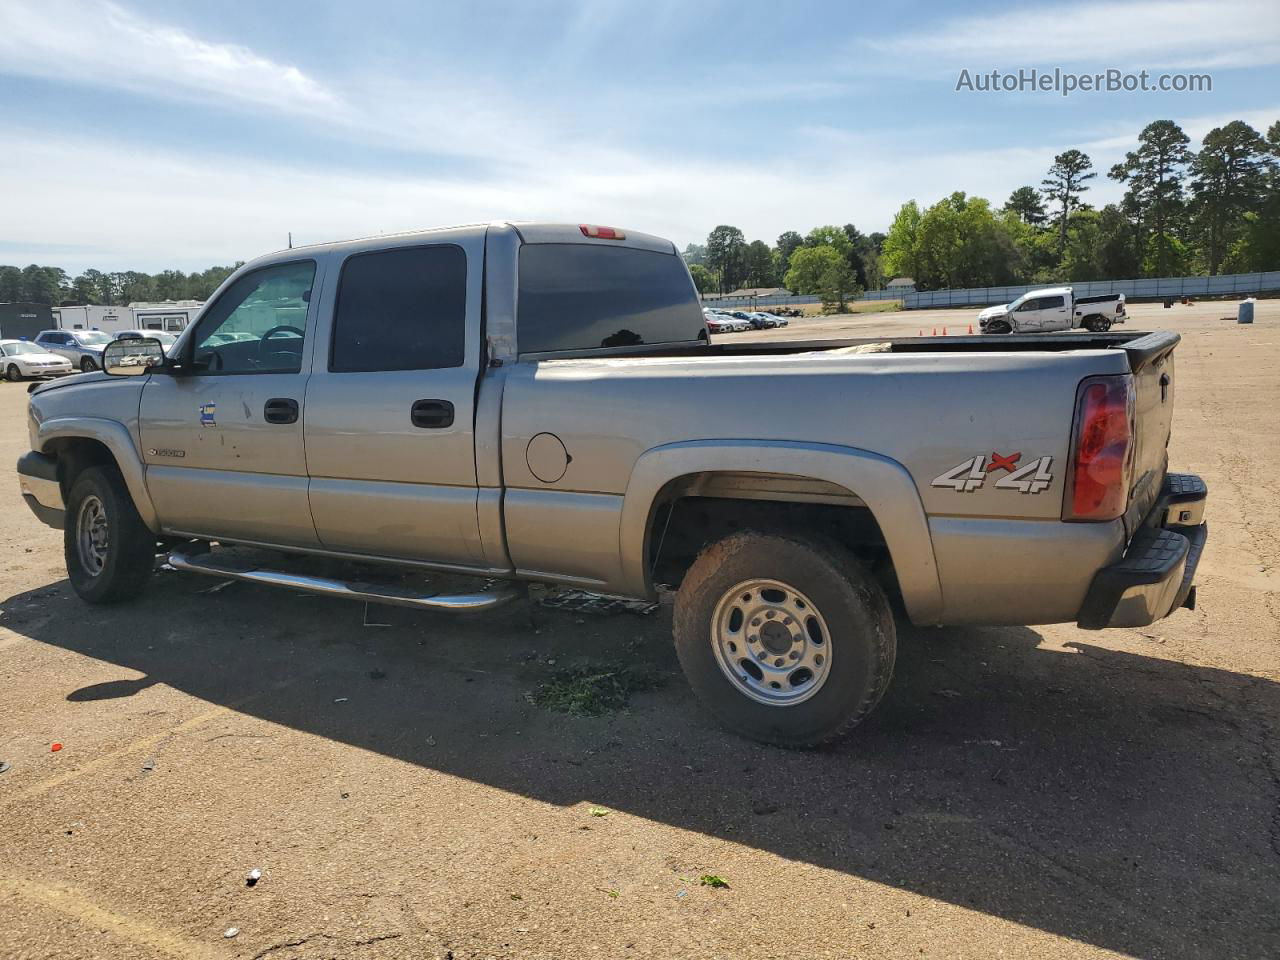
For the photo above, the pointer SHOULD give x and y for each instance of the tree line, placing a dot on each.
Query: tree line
(1213, 210)
(52, 285)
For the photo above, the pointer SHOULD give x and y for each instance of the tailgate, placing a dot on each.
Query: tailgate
(1151, 360)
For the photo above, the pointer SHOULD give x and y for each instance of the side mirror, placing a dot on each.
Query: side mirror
(132, 358)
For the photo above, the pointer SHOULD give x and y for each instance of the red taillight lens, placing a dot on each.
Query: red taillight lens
(1102, 457)
(601, 233)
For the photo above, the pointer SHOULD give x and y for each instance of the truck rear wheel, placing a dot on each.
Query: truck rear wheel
(1097, 324)
(109, 551)
(786, 639)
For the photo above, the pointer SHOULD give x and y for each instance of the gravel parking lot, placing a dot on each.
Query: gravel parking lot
(1021, 792)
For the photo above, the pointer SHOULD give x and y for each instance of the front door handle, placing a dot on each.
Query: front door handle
(280, 410)
(432, 414)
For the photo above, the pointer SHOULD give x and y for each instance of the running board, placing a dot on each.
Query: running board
(373, 593)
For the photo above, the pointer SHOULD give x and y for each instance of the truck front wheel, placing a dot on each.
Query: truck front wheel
(786, 639)
(999, 326)
(109, 551)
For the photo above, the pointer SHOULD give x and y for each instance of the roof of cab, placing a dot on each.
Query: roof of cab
(529, 231)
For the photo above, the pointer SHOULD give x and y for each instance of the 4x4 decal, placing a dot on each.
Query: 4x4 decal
(1032, 477)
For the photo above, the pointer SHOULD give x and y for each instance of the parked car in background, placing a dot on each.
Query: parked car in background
(763, 321)
(725, 322)
(82, 347)
(22, 358)
(718, 323)
(777, 320)
(1051, 309)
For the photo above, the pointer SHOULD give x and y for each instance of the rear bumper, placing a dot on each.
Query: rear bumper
(1156, 575)
(38, 483)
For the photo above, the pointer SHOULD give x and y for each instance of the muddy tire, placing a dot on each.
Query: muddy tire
(786, 639)
(109, 551)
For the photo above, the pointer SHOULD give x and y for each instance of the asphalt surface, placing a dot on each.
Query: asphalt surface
(1021, 792)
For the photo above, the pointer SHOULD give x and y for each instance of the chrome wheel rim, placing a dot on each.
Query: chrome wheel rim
(771, 642)
(92, 535)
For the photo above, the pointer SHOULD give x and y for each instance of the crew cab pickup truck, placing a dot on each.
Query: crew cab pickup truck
(1053, 308)
(541, 402)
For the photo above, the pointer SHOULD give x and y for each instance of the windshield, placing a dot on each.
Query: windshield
(13, 349)
(92, 338)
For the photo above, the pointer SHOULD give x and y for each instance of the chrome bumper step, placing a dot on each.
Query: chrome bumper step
(235, 569)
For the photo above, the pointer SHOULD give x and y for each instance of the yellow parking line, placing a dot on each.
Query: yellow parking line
(106, 759)
(71, 902)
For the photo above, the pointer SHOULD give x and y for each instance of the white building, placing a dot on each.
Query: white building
(108, 319)
(171, 316)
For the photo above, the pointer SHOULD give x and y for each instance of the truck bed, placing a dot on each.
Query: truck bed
(1141, 347)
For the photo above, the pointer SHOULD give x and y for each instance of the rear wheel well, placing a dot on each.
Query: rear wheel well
(682, 523)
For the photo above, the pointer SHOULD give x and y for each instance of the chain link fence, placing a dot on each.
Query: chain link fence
(1153, 288)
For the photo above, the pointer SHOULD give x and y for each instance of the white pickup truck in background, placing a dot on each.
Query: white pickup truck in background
(1053, 308)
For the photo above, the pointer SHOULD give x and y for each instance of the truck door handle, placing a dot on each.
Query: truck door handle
(280, 410)
(432, 414)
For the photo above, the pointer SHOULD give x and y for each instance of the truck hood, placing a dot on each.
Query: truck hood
(992, 312)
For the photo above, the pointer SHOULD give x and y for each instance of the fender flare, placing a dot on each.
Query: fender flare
(116, 438)
(884, 485)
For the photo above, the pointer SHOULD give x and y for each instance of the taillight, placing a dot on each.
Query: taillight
(1102, 449)
(601, 233)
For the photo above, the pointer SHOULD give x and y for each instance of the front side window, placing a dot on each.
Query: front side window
(259, 324)
(402, 309)
(1029, 305)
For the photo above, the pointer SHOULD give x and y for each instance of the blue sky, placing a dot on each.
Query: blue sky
(149, 135)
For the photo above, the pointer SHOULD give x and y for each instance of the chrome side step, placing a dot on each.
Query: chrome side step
(373, 593)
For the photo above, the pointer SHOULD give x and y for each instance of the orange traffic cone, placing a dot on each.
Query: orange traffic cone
(971, 329)
(920, 333)
(944, 331)
(935, 332)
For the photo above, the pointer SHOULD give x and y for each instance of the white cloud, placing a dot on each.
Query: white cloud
(1148, 33)
(103, 45)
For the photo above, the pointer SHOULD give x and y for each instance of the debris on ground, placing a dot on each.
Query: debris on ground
(341, 699)
(217, 587)
(253, 877)
(948, 693)
(4, 766)
(55, 747)
(584, 601)
(711, 880)
(594, 689)
(598, 812)
(377, 675)
(148, 765)
(230, 932)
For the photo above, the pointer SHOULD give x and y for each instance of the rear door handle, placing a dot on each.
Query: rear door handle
(280, 410)
(432, 414)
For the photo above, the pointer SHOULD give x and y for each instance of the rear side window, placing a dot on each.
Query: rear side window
(402, 309)
(576, 296)
(1049, 302)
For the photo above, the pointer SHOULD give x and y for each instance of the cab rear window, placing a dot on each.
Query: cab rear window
(576, 296)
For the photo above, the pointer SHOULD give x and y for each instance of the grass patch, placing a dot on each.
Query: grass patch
(594, 689)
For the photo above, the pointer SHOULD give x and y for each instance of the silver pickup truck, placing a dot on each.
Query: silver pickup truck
(542, 402)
